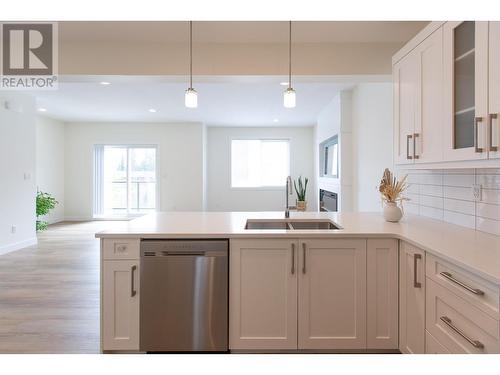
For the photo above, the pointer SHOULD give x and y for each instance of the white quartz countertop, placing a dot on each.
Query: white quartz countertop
(477, 251)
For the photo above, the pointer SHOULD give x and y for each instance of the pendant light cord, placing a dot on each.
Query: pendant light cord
(190, 54)
(290, 56)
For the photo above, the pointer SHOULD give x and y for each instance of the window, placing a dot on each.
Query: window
(125, 180)
(329, 160)
(259, 162)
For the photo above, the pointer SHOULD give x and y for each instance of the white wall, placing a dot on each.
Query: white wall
(221, 197)
(180, 148)
(50, 163)
(335, 119)
(372, 142)
(17, 171)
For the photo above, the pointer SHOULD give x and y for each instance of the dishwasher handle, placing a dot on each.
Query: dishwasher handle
(184, 253)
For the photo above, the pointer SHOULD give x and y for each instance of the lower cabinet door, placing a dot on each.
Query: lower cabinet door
(382, 294)
(263, 294)
(411, 299)
(120, 305)
(332, 294)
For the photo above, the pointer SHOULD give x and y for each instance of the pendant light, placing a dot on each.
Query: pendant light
(289, 94)
(191, 96)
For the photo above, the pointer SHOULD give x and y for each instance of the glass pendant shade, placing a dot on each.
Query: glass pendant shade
(289, 100)
(191, 98)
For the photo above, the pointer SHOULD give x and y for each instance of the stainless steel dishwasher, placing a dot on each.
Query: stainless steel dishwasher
(184, 295)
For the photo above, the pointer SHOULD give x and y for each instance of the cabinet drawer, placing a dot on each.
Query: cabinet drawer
(120, 249)
(433, 346)
(476, 290)
(453, 322)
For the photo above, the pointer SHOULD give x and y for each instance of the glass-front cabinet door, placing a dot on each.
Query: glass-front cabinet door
(466, 90)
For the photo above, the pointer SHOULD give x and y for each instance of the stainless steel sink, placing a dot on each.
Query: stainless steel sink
(267, 224)
(315, 225)
(291, 224)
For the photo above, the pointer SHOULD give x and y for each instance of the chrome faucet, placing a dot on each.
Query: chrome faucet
(288, 192)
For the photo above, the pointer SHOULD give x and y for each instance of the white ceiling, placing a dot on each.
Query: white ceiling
(221, 102)
(241, 31)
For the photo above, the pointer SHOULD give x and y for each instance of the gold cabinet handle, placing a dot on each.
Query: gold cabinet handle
(415, 136)
(475, 343)
(450, 277)
(491, 117)
(477, 120)
(133, 292)
(293, 259)
(304, 258)
(408, 156)
(416, 283)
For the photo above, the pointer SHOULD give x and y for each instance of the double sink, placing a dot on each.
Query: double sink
(288, 224)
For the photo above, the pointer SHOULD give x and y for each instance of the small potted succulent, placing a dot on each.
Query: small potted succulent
(301, 190)
(391, 191)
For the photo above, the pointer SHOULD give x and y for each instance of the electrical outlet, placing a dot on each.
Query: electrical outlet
(476, 191)
(13, 229)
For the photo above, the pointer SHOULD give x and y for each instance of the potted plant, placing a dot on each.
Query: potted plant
(391, 191)
(301, 189)
(44, 204)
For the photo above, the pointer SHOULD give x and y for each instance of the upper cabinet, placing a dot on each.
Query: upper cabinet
(465, 88)
(418, 98)
(447, 94)
(494, 90)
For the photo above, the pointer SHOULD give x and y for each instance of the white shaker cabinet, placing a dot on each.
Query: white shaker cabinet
(418, 103)
(382, 294)
(405, 93)
(411, 299)
(120, 305)
(494, 90)
(465, 90)
(332, 294)
(263, 294)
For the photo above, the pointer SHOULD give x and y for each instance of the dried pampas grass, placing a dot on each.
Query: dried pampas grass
(392, 189)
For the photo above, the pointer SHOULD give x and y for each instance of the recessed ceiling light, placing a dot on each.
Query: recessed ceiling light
(275, 120)
(284, 83)
(152, 110)
(105, 83)
(42, 109)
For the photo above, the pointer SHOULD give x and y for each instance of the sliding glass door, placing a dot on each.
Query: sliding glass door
(125, 182)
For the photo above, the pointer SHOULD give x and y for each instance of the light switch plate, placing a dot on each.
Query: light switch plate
(476, 191)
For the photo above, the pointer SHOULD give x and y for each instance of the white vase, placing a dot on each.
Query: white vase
(392, 212)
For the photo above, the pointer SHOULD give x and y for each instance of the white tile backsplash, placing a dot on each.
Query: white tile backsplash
(447, 195)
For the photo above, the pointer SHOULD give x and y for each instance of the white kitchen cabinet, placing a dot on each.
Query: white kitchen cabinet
(465, 90)
(120, 305)
(494, 90)
(405, 87)
(332, 294)
(418, 98)
(428, 133)
(411, 299)
(263, 294)
(382, 294)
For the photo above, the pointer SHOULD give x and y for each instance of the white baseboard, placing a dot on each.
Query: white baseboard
(77, 218)
(18, 245)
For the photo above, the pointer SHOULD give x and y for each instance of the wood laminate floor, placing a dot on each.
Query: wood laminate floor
(49, 293)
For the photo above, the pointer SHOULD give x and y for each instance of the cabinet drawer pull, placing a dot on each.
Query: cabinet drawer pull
(408, 137)
(491, 117)
(416, 283)
(415, 136)
(293, 258)
(475, 343)
(304, 258)
(450, 277)
(133, 292)
(477, 120)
